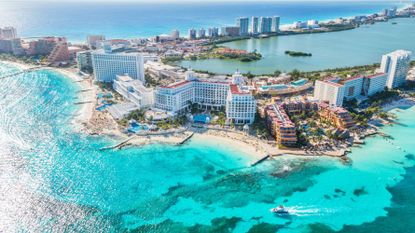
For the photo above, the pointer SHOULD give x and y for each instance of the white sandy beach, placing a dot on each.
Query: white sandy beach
(86, 96)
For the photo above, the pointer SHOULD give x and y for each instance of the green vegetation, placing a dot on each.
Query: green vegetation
(150, 81)
(259, 127)
(297, 54)
(171, 60)
(175, 123)
(374, 109)
(137, 115)
(247, 57)
(226, 39)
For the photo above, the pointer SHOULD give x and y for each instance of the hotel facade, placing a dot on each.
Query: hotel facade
(108, 65)
(279, 124)
(134, 91)
(178, 97)
(396, 65)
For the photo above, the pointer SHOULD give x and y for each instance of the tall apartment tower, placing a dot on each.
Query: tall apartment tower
(254, 25)
(192, 34)
(265, 24)
(396, 66)
(275, 24)
(243, 24)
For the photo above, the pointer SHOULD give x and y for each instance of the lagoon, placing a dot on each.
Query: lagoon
(361, 46)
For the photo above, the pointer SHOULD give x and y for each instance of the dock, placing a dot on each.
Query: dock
(119, 145)
(83, 102)
(260, 160)
(186, 139)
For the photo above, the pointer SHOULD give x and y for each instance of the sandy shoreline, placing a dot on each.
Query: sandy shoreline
(89, 121)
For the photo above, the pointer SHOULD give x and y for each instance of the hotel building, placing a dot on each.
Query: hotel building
(240, 105)
(8, 33)
(332, 92)
(230, 31)
(84, 60)
(374, 84)
(134, 91)
(243, 24)
(108, 65)
(92, 40)
(336, 90)
(280, 125)
(178, 97)
(13, 46)
(396, 66)
(60, 53)
(338, 116)
(44, 46)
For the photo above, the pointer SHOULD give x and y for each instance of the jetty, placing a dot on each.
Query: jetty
(119, 145)
(83, 102)
(186, 139)
(260, 160)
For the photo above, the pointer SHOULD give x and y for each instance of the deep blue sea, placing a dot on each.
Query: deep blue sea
(144, 19)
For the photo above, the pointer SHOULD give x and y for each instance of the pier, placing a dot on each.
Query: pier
(119, 145)
(186, 139)
(260, 160)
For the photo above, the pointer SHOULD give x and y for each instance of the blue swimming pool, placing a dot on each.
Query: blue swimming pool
(299, 82)
(137, 127)
(274, 87)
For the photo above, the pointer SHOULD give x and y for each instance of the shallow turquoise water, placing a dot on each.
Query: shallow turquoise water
(361, 46)
(53, 178)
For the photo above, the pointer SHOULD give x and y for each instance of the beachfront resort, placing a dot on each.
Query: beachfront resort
(137, 90)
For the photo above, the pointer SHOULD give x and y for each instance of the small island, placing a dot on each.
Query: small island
(297, 54)
(227, 53)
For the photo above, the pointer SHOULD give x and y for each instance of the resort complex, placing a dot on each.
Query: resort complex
(140, 88)
(214, 94)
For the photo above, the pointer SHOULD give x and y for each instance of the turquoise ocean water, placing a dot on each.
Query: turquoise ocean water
(53, 179)
(143, 19)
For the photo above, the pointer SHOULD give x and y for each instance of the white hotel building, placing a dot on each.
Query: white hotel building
(396, 65)
(393, 72)
(177, 97)
(134, 91)
(240, 106)
(329, 91)
(336, 90)
(108, 65)
(374, 84)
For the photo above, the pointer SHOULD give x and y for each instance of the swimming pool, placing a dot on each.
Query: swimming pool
(300, 82)
(274, 87)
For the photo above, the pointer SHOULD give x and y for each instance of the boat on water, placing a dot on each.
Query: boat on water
(279, 210)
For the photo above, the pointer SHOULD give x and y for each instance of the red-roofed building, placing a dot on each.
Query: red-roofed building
(178, 97)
